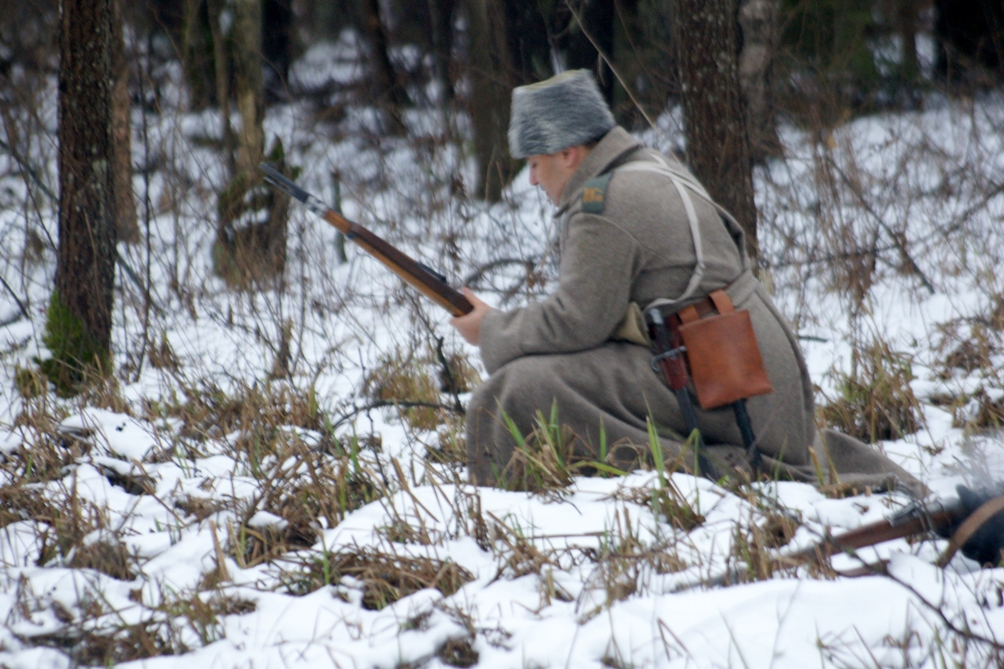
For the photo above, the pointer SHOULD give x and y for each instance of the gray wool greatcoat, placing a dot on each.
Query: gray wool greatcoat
(562, 350)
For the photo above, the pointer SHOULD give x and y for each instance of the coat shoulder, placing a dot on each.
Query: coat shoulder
(640, 196)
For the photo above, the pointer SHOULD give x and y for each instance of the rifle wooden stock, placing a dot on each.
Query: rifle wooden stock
(413, 272)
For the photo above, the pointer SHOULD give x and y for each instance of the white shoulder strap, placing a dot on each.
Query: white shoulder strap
(682, 182)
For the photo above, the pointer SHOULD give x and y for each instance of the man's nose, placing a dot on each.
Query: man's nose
(533, 178)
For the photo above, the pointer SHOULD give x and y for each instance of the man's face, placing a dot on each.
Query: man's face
(553, 171)
(545, 171)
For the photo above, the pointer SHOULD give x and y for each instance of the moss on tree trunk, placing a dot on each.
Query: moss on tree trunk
(76, 353)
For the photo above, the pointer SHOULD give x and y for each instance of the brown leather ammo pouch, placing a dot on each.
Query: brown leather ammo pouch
(725, 361)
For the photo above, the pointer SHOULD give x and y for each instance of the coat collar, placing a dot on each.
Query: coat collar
(614, 146)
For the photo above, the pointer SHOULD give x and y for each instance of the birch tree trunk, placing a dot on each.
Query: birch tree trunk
(713, 110)
(221, 73)
(758, 20)
(249, 89)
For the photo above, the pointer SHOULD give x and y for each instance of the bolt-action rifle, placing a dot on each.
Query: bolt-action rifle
(973, 523)
(431, 283)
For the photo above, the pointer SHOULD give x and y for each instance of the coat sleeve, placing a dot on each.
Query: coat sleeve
(599, 263)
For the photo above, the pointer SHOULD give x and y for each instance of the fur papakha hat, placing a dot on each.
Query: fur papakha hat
(554, 114)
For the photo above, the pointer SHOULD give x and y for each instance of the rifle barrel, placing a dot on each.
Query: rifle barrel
(922, 520)
(912, 520)
(410, 270)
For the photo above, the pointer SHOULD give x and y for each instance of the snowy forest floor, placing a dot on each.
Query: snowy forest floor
(251, 489)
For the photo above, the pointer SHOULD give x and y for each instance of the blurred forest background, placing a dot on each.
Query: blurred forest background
(817, 62)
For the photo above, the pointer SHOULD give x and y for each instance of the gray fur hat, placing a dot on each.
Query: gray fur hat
(554, 114)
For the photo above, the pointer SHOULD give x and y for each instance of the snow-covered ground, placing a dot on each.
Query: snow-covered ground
(586, 577)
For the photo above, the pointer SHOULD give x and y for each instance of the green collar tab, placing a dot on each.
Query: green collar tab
(594, 194)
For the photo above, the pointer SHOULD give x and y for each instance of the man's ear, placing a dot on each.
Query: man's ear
(570, 156)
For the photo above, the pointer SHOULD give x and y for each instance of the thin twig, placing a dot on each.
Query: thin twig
(830, 257)
(20, 304)
(900, 244)
(606, 60)
(28, 171)
(404, 404)
(480, 271)
(967, 634)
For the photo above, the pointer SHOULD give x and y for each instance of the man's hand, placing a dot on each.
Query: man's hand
(469, 325)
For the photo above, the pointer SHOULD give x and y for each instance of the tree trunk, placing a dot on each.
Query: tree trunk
(528, 43)
(221, 61)
(249, 90)
(196, 53)
(491, 85)
(907, 22)
(600, 19)
(250, 248)
(713, 110)
(277, 47)
(390, 95)
(970, 36)
(758, 20)
(79, 321)
(127, 224)
(441, 19)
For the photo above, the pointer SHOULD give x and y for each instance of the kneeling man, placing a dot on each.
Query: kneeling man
(636, 229)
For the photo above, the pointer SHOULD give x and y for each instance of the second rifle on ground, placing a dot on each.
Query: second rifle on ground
(953, 518)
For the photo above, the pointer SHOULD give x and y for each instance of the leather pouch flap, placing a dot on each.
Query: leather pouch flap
(725, 361)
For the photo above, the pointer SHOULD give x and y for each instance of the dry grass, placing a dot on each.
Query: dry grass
(875, 401)
(89, 641)
(458, 653)
(547, 460)
(384, 577)
(417, 384)
(127, 643)
(199, 507)
(972, 348)
(307, 488)
(755, 542)
(987, 414)
(517, 556)
(256, 411)
(544, 462)
(451, 443)
(77, 533)
(306, 480)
